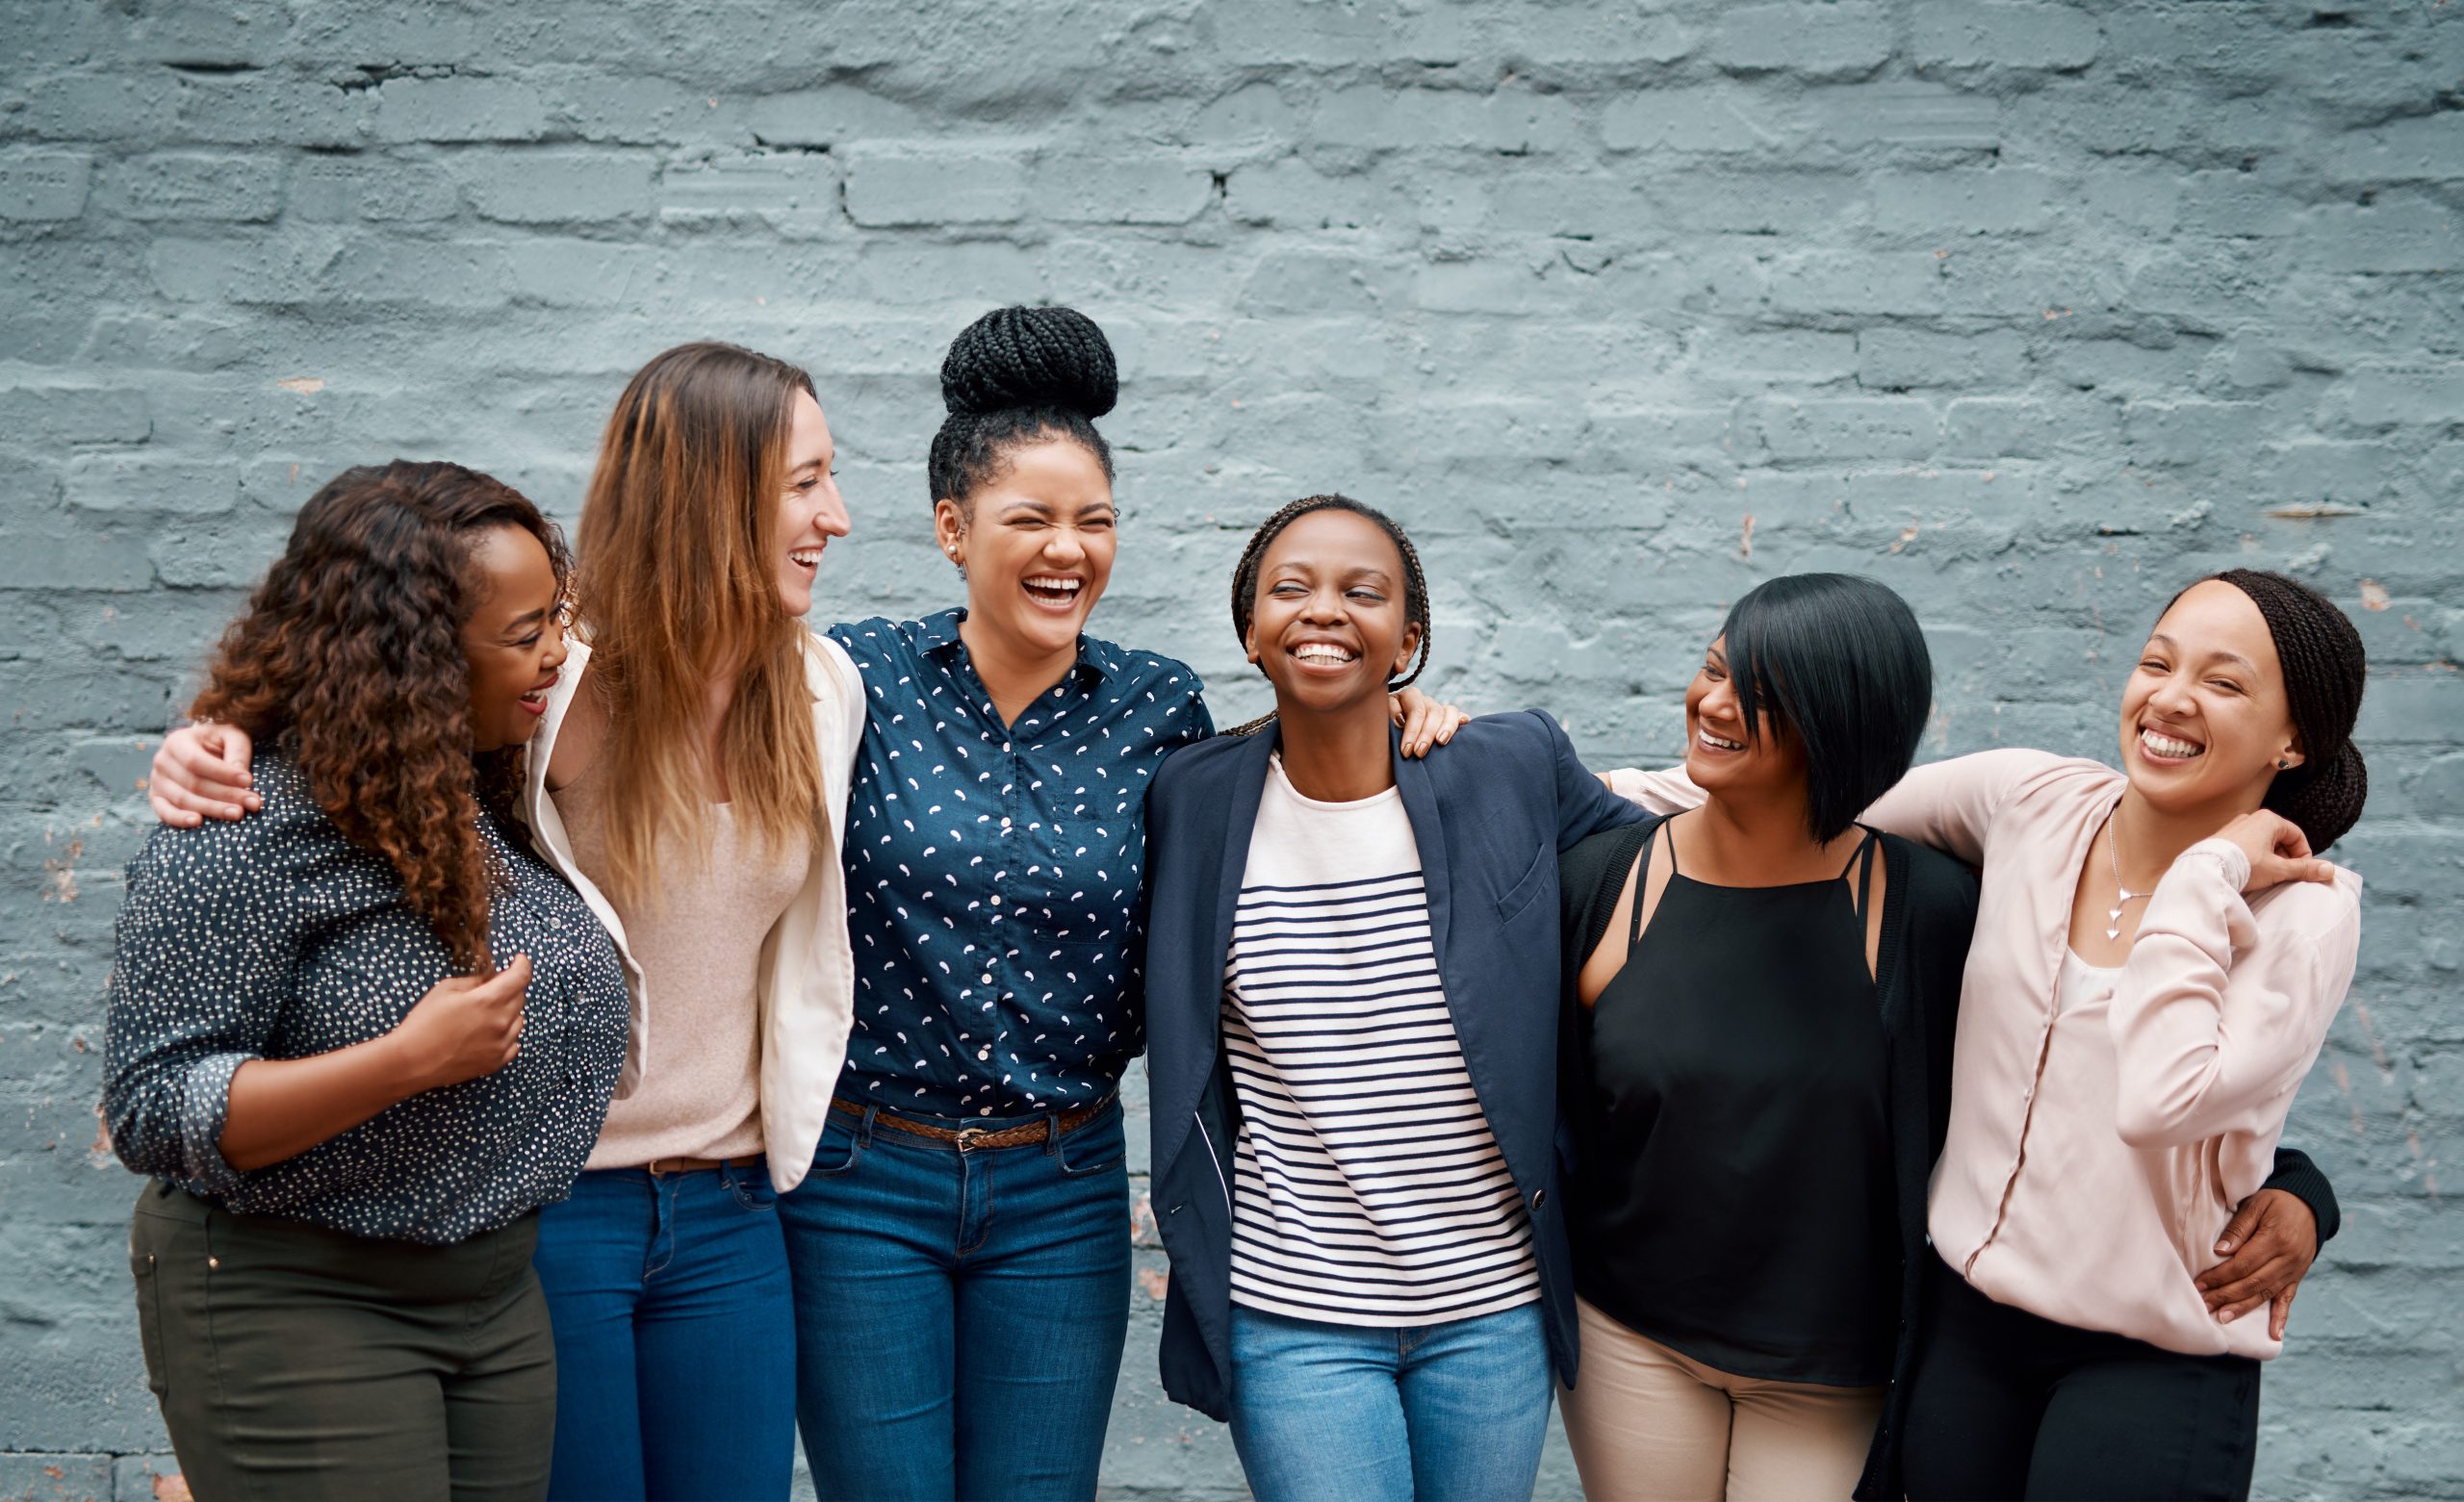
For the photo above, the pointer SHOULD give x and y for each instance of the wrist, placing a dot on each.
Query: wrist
(406, 1066)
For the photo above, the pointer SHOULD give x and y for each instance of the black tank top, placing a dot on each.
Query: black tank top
(1734, 1197)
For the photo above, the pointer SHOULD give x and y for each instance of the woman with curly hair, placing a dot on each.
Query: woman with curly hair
(361, 1037)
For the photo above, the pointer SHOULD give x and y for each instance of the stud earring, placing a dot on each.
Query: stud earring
(2284, 764)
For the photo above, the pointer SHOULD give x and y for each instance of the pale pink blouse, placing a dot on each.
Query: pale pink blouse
(2095, 1152)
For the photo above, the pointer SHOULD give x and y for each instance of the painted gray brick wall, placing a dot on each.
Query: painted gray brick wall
(2034, 310)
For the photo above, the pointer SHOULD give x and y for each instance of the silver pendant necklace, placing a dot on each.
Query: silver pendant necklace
(2122, 895)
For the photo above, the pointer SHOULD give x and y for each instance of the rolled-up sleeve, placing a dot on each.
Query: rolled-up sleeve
(207, 937)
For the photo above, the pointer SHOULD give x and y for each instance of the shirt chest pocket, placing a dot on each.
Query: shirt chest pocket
(1517, 898)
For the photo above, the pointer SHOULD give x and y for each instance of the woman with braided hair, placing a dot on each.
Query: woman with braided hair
(1352, 1008)
(2158, 953)
(961, 1244)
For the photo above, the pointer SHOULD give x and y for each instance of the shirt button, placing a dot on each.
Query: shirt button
(988, 977)
(996, 899)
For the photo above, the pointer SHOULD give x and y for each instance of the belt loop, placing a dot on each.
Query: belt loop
(864, 1130)
(1052, 1133)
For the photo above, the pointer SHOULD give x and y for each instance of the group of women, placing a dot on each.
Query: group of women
(707, 1029)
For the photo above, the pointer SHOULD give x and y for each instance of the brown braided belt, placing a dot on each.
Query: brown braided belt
(968, 1140)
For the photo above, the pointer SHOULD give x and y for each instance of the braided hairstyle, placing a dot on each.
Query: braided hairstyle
(2325, 670)
(1013, 376)
(1244, 580)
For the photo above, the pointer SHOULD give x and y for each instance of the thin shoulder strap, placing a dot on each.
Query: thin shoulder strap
(1643, 882)
(1861, 861)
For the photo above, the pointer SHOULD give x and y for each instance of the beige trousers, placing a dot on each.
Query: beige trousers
(1648, 1425)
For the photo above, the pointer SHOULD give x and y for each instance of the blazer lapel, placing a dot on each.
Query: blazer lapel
(1178, 1093)
(1429, 833)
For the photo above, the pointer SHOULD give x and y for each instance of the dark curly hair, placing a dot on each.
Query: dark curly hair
(349, 660)
(2324, 672)
(1016, 376)
(1244, 580)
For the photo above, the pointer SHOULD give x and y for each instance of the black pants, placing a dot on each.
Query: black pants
(2003, 1404)
(294, 1361)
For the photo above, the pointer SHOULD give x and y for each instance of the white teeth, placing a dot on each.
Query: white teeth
(1716, 744)
(1322, 651)
(1050, 582)
(809, 557)
(2159, 744)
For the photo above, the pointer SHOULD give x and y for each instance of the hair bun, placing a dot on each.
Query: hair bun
(2327, 802)
(1030, 357)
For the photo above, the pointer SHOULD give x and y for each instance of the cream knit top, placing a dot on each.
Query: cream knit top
(700, 949)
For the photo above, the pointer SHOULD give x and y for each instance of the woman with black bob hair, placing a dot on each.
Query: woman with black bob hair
(360, 1038)
(1762, 995)
(2158, 953)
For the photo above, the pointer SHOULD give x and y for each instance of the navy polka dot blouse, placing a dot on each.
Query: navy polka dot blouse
(994, 872)
(277, 937)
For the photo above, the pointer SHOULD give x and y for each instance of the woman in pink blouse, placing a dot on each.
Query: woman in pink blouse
(2158, 955)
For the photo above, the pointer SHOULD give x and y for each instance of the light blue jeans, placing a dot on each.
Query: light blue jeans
(1450, 1412)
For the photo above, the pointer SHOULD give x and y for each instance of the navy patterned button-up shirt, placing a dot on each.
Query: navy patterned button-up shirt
(994, 872)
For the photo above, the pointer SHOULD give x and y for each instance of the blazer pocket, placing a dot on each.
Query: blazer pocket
(1526, 886)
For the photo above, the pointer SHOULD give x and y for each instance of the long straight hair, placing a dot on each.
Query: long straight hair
(677, 587)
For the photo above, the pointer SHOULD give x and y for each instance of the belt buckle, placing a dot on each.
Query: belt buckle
(968, 1135)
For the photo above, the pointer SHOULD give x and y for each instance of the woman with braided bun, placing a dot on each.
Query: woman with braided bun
(2158, 955)
(1351, 1004)
(961, 1245)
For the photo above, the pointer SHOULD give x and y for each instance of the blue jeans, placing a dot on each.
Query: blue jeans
(675, 1341)
(1424, 1414)
(958, 1314)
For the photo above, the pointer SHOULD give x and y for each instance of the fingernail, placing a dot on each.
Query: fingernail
(2224, 1248)
(2226, 1318)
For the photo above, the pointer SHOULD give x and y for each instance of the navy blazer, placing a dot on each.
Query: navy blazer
(1490, 812)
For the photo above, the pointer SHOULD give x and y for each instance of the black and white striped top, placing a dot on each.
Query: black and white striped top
(1367, 1187)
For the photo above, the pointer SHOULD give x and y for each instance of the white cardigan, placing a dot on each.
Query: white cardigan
(807, 975)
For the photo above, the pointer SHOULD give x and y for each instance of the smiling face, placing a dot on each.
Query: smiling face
(1329, 624)
(514, 640)
(2204, 718)
(1720, 756)
(811, 510)
(1036, 544)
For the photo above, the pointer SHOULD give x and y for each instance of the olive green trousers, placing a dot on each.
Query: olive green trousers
(293, 1362)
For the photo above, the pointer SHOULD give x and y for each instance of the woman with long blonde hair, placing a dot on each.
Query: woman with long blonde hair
(690, 782)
